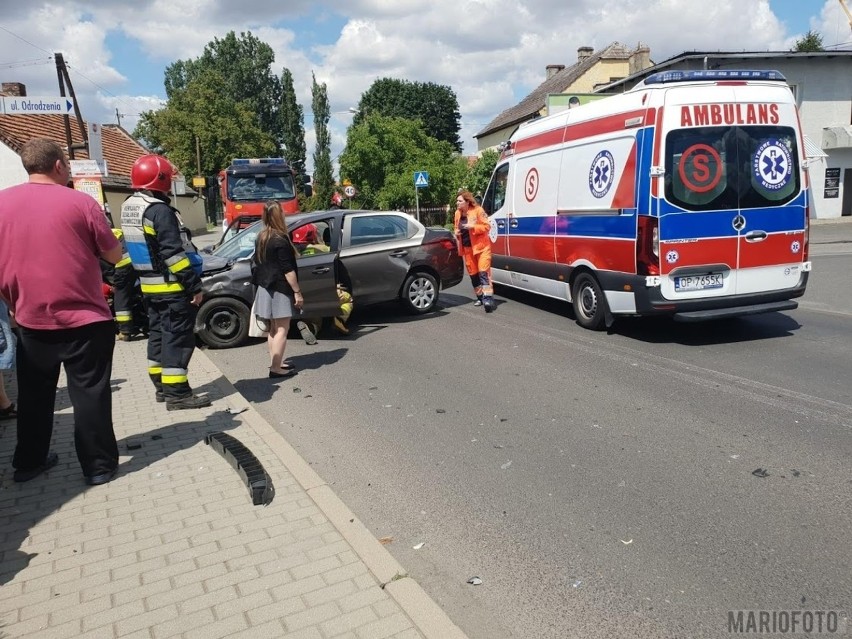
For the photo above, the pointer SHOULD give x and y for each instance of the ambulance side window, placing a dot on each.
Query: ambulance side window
(495, 195)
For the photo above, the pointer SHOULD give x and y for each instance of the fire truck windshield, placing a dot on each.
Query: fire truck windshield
(252, 188)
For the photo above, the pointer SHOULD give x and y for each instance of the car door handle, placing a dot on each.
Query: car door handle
(501, 224)
(320, 270)
(399, 254)
(513, 224)
(755, 236)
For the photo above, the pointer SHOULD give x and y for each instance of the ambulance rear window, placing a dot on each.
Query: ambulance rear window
(739, 167)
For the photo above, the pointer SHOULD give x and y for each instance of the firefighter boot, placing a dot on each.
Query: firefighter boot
(190, 401)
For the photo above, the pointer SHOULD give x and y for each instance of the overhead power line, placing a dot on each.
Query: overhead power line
(25, 40)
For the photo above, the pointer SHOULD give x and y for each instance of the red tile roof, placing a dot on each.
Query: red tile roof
(120, 149)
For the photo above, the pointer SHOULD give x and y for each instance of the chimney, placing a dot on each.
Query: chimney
(640, 59)
(16, 89)
(584, 52)
(552, 69)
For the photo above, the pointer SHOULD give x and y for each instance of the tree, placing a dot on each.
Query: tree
(436, 106)
(382, 153)
(293, 128)
(234, 74)
(323, 175)
(479, 174)
(225, 128)
(811, 41)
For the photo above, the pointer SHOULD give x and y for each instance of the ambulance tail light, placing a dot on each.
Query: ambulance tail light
(648, 246)
(806, 248)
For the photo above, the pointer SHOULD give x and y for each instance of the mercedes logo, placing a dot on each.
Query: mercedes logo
(739, 222)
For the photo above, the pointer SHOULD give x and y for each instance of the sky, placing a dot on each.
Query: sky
(492, 53)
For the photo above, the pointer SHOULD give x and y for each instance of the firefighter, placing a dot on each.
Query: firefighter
(123, 283)
(169, 270)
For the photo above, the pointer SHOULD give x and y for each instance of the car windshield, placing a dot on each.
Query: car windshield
(240, 245)
(253, 188)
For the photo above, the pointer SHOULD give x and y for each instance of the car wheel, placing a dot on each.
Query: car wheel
(419, 293)
(589, 302)
(223, 322)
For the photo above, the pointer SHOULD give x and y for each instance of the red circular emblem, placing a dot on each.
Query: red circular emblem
(531, 185)
(700, 168)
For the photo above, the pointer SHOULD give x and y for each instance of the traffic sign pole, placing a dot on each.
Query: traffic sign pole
(417, 201)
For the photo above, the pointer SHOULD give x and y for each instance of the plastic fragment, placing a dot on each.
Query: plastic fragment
(475, 581)
(760, 472)
(419, 546)
(440, 410)
(506, 465)
(627, 543)
(236, 411)
(384, 541)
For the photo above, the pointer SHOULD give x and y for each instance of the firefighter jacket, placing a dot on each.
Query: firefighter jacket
(479, 239)
(166, 261)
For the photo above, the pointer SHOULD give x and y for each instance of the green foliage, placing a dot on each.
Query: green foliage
(323, 181)
(811, 41)
(228, 98)
(225, 127)
(293, 128)
(436, 106)
(382, 153)
(479, 174)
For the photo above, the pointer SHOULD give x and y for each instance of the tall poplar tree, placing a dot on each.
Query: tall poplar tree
(323, 174)
(293, 128)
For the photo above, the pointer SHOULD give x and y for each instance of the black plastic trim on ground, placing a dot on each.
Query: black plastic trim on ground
(246, 464)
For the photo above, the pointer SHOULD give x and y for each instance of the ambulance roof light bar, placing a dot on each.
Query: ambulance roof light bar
(666, 77)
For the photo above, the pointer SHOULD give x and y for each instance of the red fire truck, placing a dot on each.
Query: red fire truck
(250, 182)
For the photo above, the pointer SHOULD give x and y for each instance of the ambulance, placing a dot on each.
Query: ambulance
(686, 196)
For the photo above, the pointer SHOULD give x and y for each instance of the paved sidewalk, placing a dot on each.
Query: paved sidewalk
(173, 547)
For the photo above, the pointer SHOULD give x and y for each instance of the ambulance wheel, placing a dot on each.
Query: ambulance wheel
(589, 302)
(223, 322)
(419, 293)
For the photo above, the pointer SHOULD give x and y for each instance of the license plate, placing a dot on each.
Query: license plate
(698, 282)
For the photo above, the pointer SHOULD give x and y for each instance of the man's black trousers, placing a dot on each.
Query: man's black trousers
(86, 353)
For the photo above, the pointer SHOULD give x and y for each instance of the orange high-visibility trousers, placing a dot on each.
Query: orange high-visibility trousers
(479, 268)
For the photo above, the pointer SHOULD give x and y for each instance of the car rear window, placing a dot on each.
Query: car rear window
(714, 168)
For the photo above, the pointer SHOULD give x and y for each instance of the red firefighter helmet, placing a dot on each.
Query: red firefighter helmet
(153, 173)
(306, 234)
(336, 199)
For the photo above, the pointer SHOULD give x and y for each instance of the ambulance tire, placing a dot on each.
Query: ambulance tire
(223, 322)
(419, 294)
(589, 302)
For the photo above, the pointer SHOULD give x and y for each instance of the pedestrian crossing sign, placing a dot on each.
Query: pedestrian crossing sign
(421, 179)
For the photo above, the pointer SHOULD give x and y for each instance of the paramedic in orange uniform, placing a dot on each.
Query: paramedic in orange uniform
(471, 227)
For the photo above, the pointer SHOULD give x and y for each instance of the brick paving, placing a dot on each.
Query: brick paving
(173, 546)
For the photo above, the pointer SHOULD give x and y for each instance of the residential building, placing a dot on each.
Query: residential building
(592, 70)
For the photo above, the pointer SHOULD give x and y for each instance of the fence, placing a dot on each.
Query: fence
(431, 216)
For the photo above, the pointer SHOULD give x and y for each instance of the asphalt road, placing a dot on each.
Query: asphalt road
(600, 485)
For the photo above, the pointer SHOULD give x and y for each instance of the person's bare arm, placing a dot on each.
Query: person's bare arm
(113, 255)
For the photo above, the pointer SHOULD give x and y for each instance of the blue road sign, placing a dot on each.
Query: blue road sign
(421, 179)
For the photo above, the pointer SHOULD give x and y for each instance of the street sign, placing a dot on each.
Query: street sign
(349, 190)
(85, 168)
(36, 105)
(421, 179)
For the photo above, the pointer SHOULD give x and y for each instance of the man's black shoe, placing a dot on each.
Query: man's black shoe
(101, 478)
(26, 475)
(190, 401)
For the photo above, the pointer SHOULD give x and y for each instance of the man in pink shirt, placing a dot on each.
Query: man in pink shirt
(50, 240)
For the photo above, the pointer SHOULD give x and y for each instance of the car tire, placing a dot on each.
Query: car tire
(419, 293)
(589, 302)
(223, 322)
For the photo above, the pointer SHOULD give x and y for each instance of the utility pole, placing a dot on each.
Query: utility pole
(197, 155)
(62, 75)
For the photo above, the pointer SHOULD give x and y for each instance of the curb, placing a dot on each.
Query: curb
(426, 615)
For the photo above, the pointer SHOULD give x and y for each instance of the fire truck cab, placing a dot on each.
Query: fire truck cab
(248, 183)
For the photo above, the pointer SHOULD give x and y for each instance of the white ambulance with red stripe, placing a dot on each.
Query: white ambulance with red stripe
(685, 196)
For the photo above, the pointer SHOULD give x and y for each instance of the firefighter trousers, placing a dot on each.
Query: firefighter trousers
(171, 341)
(479, 268)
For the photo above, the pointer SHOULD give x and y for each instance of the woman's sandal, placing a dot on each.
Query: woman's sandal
(9, 412)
